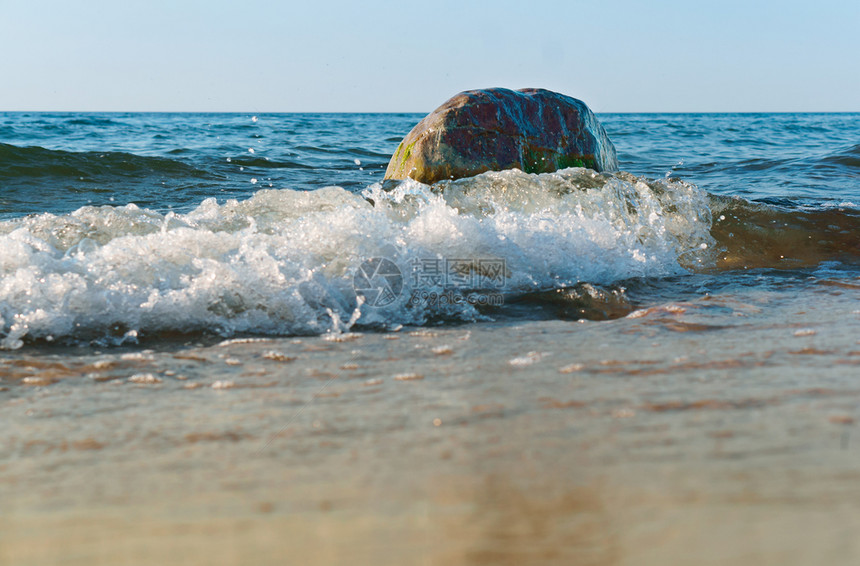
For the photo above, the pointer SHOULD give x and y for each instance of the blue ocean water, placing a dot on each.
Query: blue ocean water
(56, 162)
(52, 162)
(117, 226)
(791, 158)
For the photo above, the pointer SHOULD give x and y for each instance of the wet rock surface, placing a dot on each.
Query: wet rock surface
(535, 130)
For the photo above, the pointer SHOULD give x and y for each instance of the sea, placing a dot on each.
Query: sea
(224, 337)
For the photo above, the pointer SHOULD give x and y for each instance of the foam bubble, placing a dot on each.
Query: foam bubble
(283, 261)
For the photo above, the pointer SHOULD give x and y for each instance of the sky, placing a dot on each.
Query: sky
(350, 56)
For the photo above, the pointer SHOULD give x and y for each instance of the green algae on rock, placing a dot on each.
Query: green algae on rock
(534, 130)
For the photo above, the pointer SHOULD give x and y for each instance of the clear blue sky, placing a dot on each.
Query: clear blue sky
(333, 55)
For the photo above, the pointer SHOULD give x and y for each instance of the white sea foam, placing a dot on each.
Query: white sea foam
(282, 262)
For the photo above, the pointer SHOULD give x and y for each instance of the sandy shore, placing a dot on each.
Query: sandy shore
(663, 438)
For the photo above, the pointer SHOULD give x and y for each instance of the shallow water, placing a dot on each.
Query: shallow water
(670, 376)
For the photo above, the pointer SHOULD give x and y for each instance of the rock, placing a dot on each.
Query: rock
(535, 130)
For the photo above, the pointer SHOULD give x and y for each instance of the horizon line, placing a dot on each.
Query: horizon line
(257, 112)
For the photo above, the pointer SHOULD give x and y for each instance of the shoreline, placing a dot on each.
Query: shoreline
(487, 443)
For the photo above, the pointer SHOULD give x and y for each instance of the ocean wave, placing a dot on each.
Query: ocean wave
(26, 163)
(341, 151)
(779, 234)
(848, 157)
(285, 262)
(266, 163)
(84, 120)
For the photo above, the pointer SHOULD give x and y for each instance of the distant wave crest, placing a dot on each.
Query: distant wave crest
(18, 163)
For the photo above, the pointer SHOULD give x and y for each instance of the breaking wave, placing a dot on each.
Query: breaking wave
(283, 262)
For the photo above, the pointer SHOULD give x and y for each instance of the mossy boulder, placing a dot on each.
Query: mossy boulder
(534, 130)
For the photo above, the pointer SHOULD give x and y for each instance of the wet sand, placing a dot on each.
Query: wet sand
(719, 429)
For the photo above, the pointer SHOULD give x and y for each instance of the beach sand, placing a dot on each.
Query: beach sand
(705, 431)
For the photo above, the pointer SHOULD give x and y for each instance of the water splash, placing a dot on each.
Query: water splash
(282, 261)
